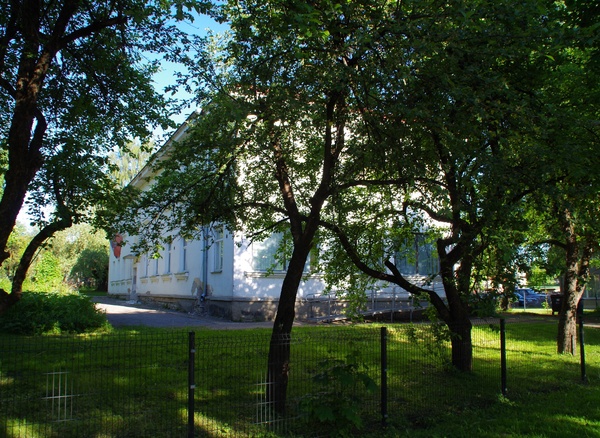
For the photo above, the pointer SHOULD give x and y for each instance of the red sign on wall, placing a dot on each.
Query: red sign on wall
(115, 244)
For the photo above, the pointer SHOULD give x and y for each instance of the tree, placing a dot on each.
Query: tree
(470, 119)
(576, 206)
(280, 120)
(128, 161)
(568, 224)
(91, 269)
(83, 255)
(74, 85)
(352, 118)
(565, 213)
(47, 272)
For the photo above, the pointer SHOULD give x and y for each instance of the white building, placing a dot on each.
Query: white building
(224, 274)
(231, 277)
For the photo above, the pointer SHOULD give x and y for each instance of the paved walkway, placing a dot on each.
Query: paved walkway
(124, 314)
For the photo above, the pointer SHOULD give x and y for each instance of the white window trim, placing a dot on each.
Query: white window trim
(218, 248)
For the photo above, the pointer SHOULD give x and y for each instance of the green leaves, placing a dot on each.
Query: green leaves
(375, 121)
(338, 405)
(41, 313)
(75, 84)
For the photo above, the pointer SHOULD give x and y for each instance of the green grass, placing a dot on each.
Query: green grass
(545, 398)
(93, 292)
(139, 378)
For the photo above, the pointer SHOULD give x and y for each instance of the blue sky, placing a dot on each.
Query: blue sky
(201, 26)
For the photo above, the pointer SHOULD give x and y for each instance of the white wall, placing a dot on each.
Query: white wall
(178, 272)
(251, 283)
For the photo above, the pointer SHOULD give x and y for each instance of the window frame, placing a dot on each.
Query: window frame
(218, 249)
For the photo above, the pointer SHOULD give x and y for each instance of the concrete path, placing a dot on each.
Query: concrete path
(123, 314)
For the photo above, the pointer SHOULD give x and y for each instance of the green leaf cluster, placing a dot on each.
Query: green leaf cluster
(337, 407)
(40, 313)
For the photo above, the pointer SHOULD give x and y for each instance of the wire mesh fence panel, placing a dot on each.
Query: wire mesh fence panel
(93, 386)
(420, 369)
(336, 371)
(230, 368)
(533, 364)
(335, 380)
(137, 384)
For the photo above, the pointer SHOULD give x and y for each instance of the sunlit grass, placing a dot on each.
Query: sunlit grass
(140, 382)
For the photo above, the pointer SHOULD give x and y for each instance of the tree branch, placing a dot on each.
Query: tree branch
(94, 27)
(350, 250)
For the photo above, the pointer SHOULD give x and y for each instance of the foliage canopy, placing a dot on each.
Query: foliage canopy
(75, 83)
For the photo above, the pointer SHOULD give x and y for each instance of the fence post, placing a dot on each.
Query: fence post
(384, 389)
(503, 356)
(191, 382)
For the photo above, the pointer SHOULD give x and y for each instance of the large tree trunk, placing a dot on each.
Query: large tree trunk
(566, 340)
(577, 257)
(8, 299)
(303, 230)
(456, 283)
(27, 126)
(23, 165)
(15, 190)
(456, 317)
(279, 348)
(462, 347)
(455, 312)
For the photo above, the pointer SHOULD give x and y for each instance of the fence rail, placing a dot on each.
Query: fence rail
(209, 383)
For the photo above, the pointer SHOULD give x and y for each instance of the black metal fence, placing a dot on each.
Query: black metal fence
(211, 383)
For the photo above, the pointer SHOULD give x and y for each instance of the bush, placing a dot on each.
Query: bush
(47, 270)
(40, 312)
(337, 407)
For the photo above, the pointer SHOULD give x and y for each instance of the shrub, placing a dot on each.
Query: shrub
(47, 271)
(41, 312)
(91, 268)
(337, 407)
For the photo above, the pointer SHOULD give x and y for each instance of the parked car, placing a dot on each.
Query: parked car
(524, 297)
(530, 293)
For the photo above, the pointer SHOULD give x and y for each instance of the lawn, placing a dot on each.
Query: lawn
(134, 383)
(545, 398)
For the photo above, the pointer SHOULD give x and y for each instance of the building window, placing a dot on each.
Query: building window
(144, 263)
(273, 255)
(218, 246)
(269, 254)
(168, 258)
(418, 257)
(183, 255)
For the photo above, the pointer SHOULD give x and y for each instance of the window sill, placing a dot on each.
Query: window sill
(181, 276)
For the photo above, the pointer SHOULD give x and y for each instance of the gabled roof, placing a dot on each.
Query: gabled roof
(148, 171)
